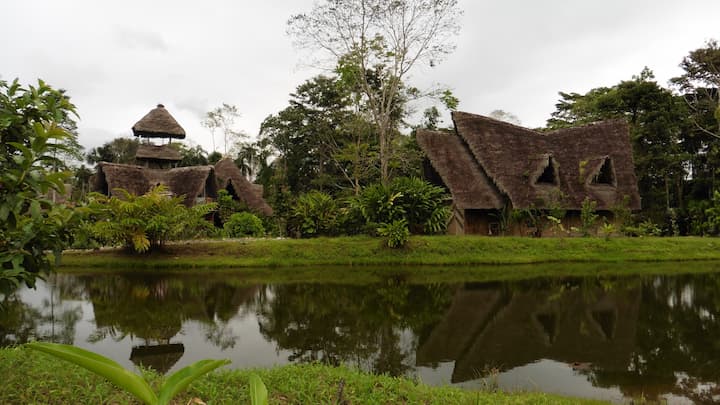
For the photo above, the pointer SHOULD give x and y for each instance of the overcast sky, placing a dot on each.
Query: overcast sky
(118, 59)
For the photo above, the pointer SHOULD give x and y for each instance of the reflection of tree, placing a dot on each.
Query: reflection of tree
(154, 308)
(54, 320)
(677, 334)
(360, 325)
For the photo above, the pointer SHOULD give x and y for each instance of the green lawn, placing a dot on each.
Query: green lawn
(426, 258)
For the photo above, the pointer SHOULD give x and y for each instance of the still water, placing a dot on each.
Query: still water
(607, 338)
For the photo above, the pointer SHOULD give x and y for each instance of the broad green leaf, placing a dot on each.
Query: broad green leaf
(258, 391)
(179, 380)
(102, 366)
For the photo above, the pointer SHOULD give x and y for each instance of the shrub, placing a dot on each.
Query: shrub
(712, 215)
(315, 213)
(243, 224)
(227, 206)
(147, 221)
(423, 206)
(588, 216)
(396, 233)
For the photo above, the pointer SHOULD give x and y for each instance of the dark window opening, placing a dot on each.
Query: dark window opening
(605, 175)
(548, 175)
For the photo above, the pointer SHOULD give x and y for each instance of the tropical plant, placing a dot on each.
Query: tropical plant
(588, 216)
(146, 221)
(227, 206)
(31, 136)
(607, 230)
(244, 224)
(315, 213)
(425, 205)
(131, 382)
(396, 233)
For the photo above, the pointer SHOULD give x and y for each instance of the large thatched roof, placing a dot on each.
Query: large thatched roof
(158, 123)
(487, 158)
(157, 152)
(190, 182)
(229, 175)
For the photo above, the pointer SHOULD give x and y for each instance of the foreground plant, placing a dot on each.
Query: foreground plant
(133, 383)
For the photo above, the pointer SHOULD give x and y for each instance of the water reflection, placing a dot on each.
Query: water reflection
(608, 338)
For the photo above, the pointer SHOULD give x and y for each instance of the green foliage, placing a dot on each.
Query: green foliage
(124, 379)
(258, 392)
(607, 230)
(227, 206)
(315, 213)
(423, 206)
(244, 224)
(712, 213)
(147, 221)
(588, 216)
(119, 150)
(30, 140)
(396, 233)
(644, 228)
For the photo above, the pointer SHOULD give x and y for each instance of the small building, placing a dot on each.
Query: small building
(157, 165)
(196, 183)
(492, 167)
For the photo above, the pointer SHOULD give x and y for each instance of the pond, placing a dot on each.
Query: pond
(607, 338)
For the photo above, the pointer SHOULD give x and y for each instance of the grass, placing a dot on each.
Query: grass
(427, 258)
(31, 377)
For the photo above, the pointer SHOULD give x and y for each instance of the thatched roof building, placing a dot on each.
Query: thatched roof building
(489, 164)
(158, 123)
(195, 183)
(231, 179)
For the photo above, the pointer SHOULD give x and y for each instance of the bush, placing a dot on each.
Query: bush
(588, 216)
(147, 221)
(396, 233)
(315, 213)
(227, 206)
(423, 206)
(243, 224)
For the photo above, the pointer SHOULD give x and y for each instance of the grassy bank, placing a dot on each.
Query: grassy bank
(421, 250)
(30, 377)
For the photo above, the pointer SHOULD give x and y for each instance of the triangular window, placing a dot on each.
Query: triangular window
(606, 174)
(549, 174)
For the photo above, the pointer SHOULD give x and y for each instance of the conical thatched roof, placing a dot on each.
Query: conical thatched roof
(158, 123)
(229, 175)
(487, 158)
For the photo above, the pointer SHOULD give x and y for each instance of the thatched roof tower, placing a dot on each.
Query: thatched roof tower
(158, 123)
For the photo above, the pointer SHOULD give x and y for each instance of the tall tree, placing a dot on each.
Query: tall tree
(376, 44)
(699, 86)
(223, 118)
(322, 138)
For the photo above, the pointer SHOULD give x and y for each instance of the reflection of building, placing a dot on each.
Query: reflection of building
(492, 328)
(489, 165)
(160, 358)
